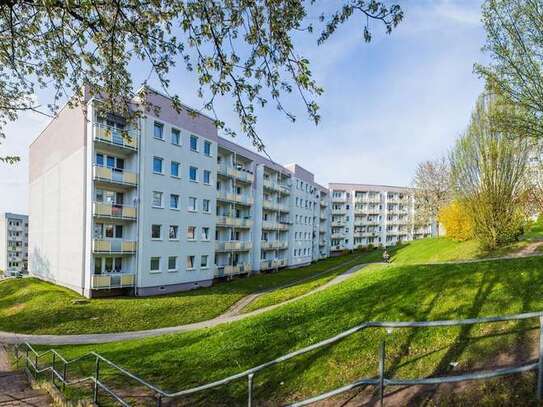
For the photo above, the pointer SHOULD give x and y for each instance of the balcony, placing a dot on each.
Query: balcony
(123, 139)
(324, 203)
(114, 280)
(274, 206)
(338, 223)
(341, 211)
(322, 230)
(337, 236)
(244, 199)
(234, 222)
(276, 186)
(270, 225)
(273, 244)
(113, 246)
(108, 210)
(115, 176)
(231, 270)
(241, 175)
(272, 264)
(339, 199)
(233, 245)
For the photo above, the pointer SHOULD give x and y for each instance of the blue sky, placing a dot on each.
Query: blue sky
(387, 105)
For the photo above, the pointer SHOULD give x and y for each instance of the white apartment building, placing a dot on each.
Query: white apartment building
(164, 205)
(375, 215)
(13, 243)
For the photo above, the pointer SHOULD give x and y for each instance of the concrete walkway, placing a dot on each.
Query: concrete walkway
(233, 314)
(15, 389)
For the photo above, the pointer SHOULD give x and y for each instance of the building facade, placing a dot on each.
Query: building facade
(164, 205)
(13, 243)
(377, 215)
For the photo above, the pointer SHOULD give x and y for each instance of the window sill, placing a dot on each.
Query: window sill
(155, 271)
(191, 269)
(204, 268)
(193, 180)
(191, 240)
(192, 210)
(156, 239)
(173, 271)
(174, 240)
(175, 209)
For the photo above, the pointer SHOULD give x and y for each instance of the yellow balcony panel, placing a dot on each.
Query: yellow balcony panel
(126, 139)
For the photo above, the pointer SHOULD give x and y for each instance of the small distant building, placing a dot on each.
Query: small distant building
(13, 243)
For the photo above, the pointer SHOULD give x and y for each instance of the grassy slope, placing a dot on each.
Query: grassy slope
(419, 251)
(395, 292)
(33, 306)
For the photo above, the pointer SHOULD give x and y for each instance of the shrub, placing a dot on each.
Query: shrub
(456, 221)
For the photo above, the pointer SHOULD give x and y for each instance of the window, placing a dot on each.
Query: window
(193, 174)
(156, 231)
(205, 233)
(192, 204)
(191, 233)
(203, 261)
(207, 177)
(158, 131)
(157, 199)
(174, 169)
(174, 201)
(176, 137)
(157, 165)
(193, 143)
(190, 262)
(155, 265)
(205, 205)
(173, 232)
(172, 263)
(207, 148)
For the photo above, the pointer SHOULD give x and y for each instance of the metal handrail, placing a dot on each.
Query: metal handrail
(381, 382)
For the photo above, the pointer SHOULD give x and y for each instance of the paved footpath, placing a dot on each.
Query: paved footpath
(228, 316)
(15, 389)
(231, 315)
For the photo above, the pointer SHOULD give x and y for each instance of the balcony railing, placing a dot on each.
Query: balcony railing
(230, 270)
(270, 225)
(235, 222)
(120, 138)
(113, 280)
(276, 186)
(339, 211)
(105, 209)
(233, 245)
(323, 202)
(113, 246)
(116, 176)
(244, 199)
(230, 171)
(272, 264)
(273, 244)
(271, 205)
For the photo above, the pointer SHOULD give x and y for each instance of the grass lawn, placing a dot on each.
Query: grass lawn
(384, 292)
(418, 251)
(32, 306)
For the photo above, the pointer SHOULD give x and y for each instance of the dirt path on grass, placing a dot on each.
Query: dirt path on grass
(228, 316)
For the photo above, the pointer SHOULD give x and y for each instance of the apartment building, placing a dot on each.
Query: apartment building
(13, 243)
(365, 215)
(164, 204)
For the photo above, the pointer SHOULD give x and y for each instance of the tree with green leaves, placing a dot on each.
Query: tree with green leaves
(489, 176)
(514, 42)
(243, 49)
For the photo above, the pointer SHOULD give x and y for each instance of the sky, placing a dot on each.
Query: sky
(388, 105)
